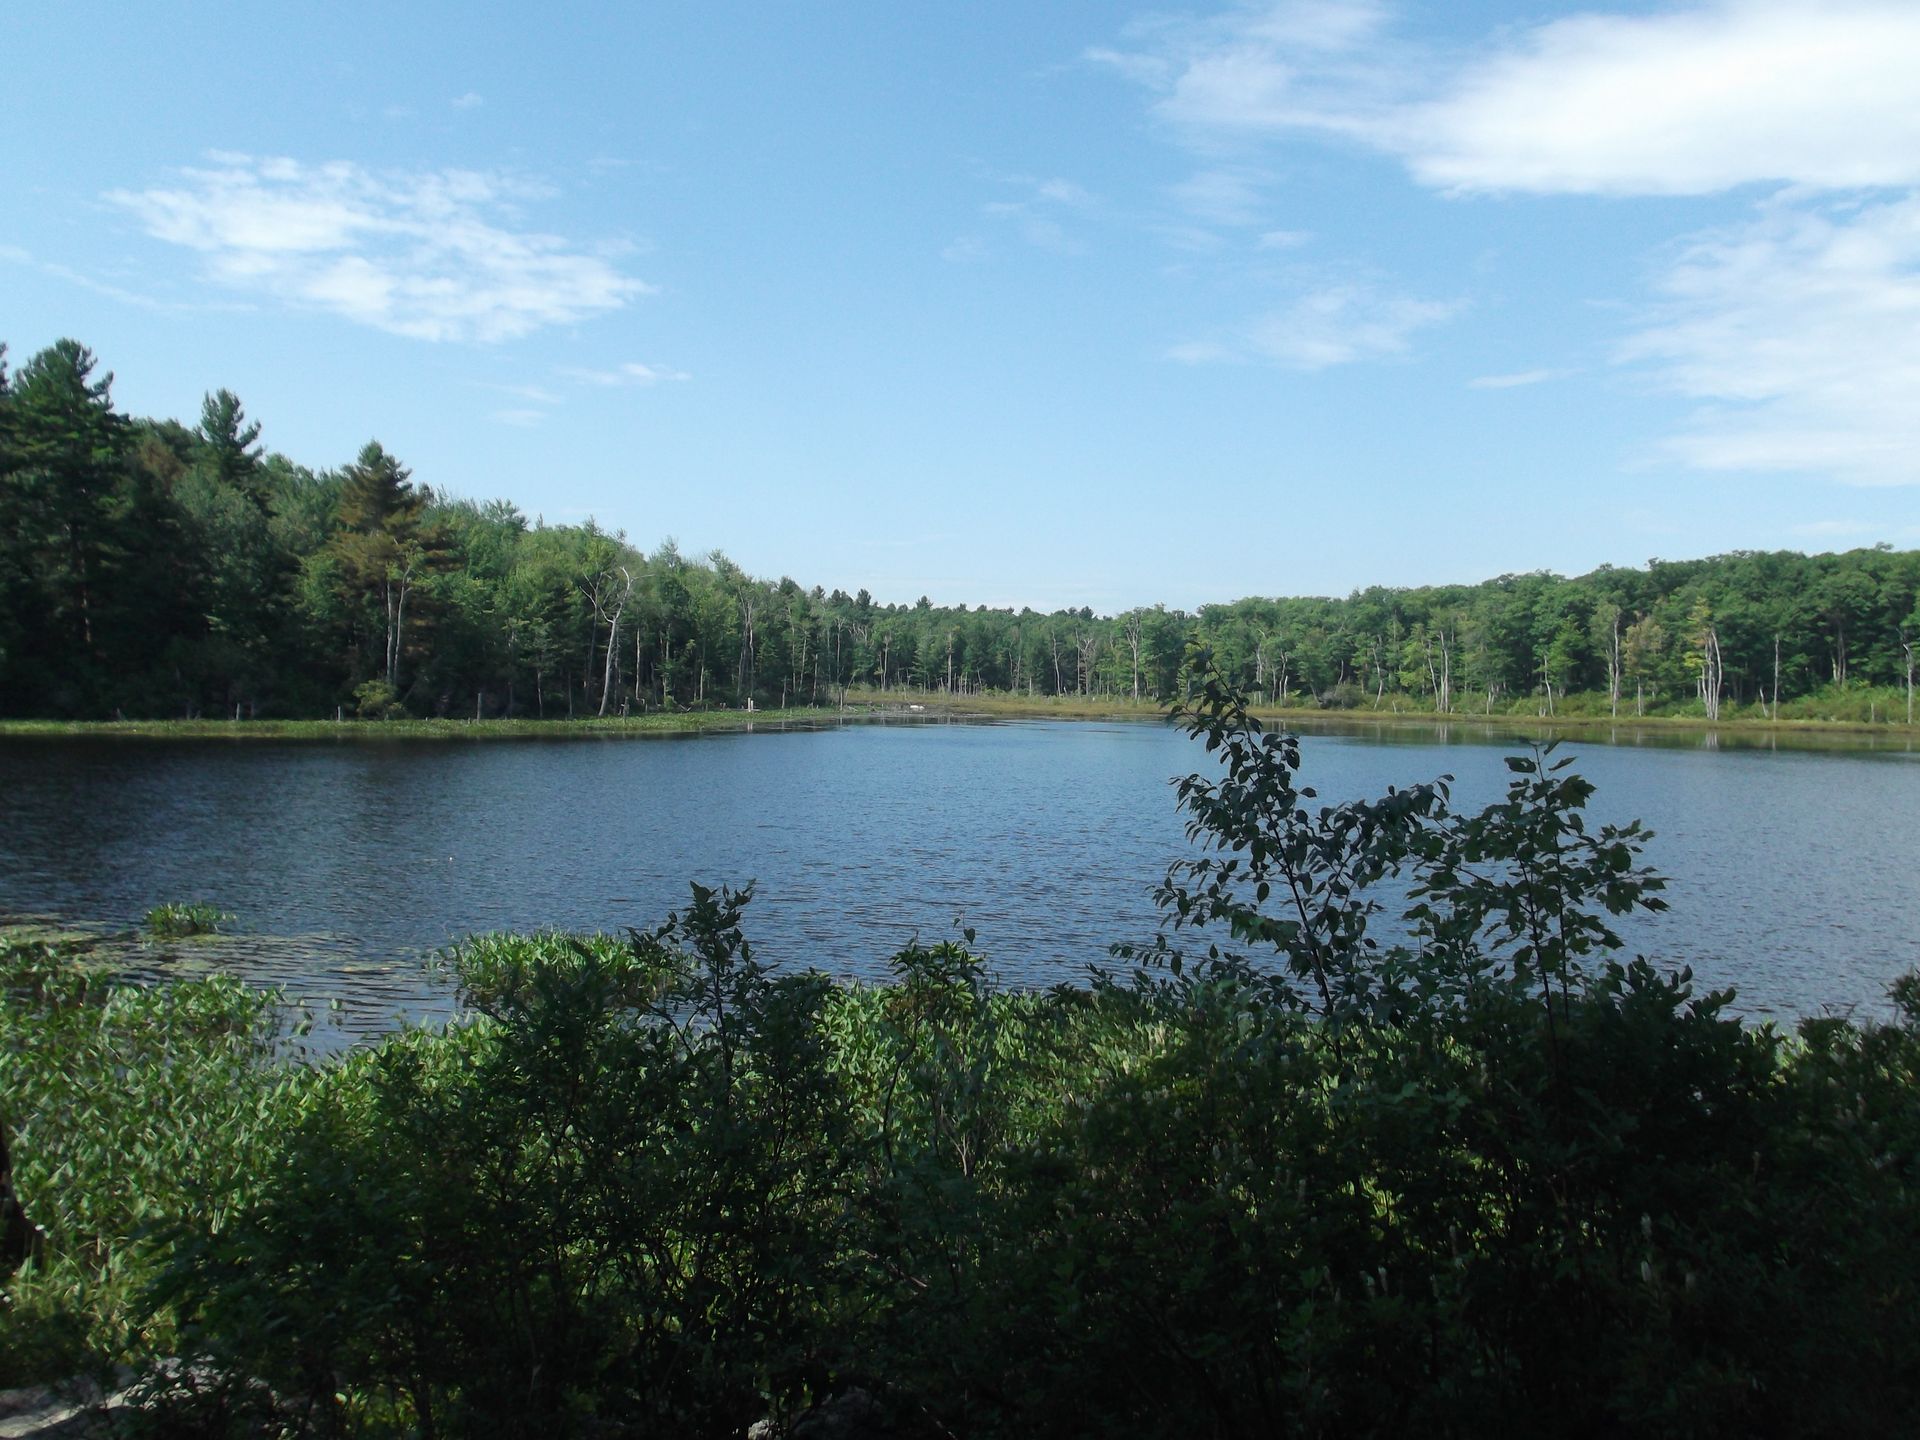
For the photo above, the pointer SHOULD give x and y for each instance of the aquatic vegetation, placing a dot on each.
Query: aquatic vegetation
(176, 920)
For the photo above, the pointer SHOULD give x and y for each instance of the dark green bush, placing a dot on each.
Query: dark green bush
(623, 1190)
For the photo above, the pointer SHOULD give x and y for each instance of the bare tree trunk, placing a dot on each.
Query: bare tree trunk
(1906, 648)
(1088, 646)
(1133, 644)
(1712, 673)
(400, 627)
(1613, 665)
(613, 632)
(748, 670)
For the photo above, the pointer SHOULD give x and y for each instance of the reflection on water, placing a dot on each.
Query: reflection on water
(349, 864)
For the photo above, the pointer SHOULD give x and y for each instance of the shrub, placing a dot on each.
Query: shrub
(621, 1189)
(127, 1107)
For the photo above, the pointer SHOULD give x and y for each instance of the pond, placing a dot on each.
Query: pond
(1793, 871)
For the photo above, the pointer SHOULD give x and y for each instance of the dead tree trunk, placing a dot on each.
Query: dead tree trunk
(613, 614)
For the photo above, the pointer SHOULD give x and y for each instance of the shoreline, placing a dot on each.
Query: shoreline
(891, 706)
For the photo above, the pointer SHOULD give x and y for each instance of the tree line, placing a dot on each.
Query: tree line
(151, 568)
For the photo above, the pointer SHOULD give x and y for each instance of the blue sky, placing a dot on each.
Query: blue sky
(1048, 304)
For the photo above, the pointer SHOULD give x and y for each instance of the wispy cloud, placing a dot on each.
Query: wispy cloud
(533, 394)
(1832, 529)
(524, 419)
(1314, 64)
(964, 250)
(1333, 325)
(1342, 324)
(435, 255)
(632, 372)
(13, 254)
(1200, 352)
(469, 101)
(1515, 380)
(1036, 216)
(1223, 196)
(1801, 329)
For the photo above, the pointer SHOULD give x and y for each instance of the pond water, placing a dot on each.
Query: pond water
(1794, 872)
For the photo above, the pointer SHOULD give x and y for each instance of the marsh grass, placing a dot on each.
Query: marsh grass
(671, 722)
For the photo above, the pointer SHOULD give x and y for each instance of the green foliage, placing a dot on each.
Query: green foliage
(127, 1108)
(377, 700)
(178, 919)
(622, 1187)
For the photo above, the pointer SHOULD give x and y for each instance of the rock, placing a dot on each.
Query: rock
(71, 1410)
(179, 1391)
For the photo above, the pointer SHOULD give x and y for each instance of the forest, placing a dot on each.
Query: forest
(149, 568)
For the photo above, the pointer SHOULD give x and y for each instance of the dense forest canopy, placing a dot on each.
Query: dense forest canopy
(149, 568)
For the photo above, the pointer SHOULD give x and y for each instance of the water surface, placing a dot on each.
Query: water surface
(1793, 870)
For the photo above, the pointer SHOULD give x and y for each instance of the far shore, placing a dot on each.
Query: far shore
(891, 705)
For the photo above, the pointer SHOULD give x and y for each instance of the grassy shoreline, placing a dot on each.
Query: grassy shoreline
(1021, 707)
(906, 704)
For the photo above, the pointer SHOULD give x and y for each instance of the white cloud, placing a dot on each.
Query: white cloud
(1515, 380)
(469, 101)
(1690, 100)
(1802, 330)
(429, 254)
(633, 372)
(1333, 325)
